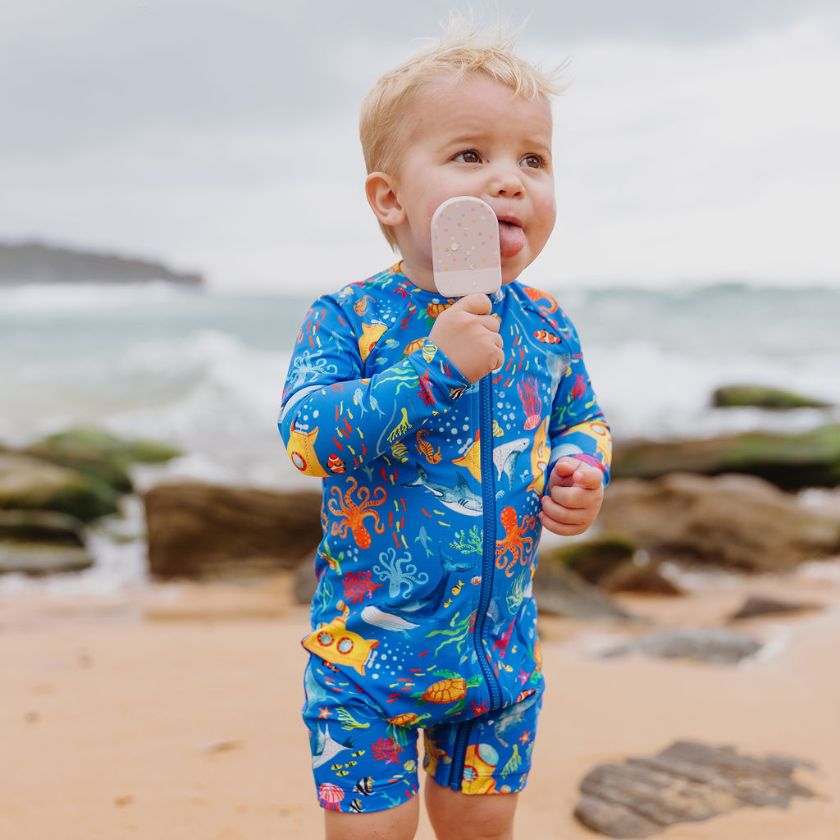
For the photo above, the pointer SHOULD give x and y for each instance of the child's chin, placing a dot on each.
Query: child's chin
(513, 270)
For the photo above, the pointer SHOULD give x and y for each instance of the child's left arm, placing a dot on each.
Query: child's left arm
(581, 449)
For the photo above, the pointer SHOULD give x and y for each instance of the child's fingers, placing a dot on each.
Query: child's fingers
(560, 529)
(568, 471)
(590, 478)
(478, 304)
(571, 497)
(565, 466)
(564, 515)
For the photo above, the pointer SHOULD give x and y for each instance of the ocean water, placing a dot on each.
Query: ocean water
(205, 370)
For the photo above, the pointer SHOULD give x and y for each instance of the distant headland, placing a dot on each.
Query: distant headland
(37, 262)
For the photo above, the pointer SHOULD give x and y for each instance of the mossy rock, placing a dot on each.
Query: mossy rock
(593, 558)
(760, 396)
(98, 453)
(791, 462)
(41, 526)
(33, 484)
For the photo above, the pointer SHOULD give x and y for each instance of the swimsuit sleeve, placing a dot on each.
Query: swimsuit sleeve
(334, 419)
(577, 427)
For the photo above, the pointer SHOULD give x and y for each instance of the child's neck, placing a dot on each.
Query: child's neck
(418, 276)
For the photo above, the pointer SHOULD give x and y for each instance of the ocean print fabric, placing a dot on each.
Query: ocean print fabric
(423, 616)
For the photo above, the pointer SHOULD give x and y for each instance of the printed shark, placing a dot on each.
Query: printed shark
(505, 455)
(327, 747)
(502, 725)
(458, 498)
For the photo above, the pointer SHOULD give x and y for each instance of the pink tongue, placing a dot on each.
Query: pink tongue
(511, 239)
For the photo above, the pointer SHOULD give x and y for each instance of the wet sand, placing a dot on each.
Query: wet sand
(173, 712)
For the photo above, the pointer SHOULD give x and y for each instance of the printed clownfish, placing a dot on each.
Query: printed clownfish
(335, 464)
(547, 337)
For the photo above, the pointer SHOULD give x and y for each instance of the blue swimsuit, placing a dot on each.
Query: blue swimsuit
(423, 616)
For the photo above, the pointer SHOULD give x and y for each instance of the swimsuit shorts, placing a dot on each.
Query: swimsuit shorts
(364, 761)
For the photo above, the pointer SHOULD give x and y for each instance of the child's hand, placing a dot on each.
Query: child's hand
(469, 335)
(576, 491)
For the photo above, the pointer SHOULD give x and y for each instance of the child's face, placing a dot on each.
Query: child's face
(475, 137)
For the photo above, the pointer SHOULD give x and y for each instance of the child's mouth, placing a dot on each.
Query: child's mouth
(511, 238)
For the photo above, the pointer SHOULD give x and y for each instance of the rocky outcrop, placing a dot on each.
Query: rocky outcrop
(559, 591)
(198, 530)
(791, 462)
(686, 782)
(613, 563)
(734, 521)
(36, 262)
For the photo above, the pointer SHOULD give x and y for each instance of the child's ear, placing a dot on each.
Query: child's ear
(380, 190)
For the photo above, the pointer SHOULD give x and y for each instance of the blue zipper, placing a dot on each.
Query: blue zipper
(488, 564)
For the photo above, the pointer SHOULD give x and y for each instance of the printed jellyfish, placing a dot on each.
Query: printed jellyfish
(330, 795)
(529, 394)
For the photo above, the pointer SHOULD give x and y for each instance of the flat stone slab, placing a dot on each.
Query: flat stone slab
(757, 605)
(704, 644)
(686, 782)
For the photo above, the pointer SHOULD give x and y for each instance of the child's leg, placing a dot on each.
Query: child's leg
(398, 823)
(476, 768)
(457, 816)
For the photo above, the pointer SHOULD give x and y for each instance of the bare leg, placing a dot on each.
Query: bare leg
(458, 816)
(398, 823)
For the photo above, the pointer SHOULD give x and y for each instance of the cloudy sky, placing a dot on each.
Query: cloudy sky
(696, 142)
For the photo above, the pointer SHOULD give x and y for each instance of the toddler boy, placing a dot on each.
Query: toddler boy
(447, 433)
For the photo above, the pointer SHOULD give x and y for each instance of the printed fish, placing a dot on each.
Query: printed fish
(471, 459)
(364, 786)
(547, 337)
(424, 539)
(371, 333)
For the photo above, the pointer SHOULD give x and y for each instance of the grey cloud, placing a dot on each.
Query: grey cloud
(93, 72)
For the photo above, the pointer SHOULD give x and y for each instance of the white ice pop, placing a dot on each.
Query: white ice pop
(465, 247)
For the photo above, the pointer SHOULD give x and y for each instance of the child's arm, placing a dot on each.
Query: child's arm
(332, 419)
(577, 428)
(581, 450)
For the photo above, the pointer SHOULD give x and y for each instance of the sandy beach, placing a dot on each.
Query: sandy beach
(173, 711)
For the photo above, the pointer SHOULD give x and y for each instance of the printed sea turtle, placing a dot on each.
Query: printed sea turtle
(401, 723)
(406, 719)
(452, 687)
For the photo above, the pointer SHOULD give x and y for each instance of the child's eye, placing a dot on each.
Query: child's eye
(534, 161)
(469, 156)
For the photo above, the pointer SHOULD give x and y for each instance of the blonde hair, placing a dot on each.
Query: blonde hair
(461, 50)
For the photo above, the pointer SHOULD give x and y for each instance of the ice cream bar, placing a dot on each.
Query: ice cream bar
(465, 247)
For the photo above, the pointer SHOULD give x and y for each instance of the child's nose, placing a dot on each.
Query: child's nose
(506, 181)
